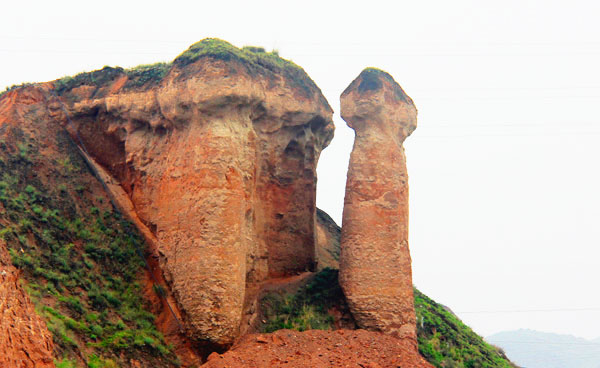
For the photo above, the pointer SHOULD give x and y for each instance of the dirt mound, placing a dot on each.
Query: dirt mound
(316, 348)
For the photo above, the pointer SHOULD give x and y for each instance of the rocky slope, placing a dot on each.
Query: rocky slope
(80, 262)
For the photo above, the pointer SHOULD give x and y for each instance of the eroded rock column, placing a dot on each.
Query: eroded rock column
(375, 264)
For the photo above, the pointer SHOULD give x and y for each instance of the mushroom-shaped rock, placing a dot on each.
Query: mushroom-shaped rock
(218, 155)
(375, 264)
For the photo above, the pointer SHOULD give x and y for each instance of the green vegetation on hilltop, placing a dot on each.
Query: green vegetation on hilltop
(139, 76)
(81, 260)
(443, 339)
(223, 50)
(213, 47)
(255, 58)
(147, 74)
(94, 78)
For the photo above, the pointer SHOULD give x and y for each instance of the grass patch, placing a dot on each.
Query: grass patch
(447, 342)
(146, 74)
(307, 309)
(254, 58)
(95, 78)
(65, 363)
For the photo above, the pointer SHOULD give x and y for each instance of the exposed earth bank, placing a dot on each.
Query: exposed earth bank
(319, 349)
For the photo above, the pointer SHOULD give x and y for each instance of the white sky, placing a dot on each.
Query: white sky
(504, 174)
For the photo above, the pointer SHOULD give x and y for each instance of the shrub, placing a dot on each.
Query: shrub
(72, 303)
(96, 331)
(65, 363)
(95, 361)
(256, 59)
(146, 74)
(97, 300)
(308, 308)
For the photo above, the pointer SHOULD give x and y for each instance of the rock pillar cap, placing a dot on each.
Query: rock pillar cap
(375, 101)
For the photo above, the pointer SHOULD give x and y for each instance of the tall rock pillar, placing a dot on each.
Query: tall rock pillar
(375, 264)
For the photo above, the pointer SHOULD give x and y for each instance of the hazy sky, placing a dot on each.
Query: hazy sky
(504, 174)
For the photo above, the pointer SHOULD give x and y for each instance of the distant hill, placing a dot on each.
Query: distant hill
(534, 349)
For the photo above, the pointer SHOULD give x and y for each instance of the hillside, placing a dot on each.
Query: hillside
(81, 263)
(447, 342)
(534, 349)
(158, 216)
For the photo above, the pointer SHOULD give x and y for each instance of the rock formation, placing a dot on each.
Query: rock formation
(375, 264)
(212, 158)
(327, 242)
(218, 158)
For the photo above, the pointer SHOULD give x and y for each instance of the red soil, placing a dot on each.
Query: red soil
(320, 349)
